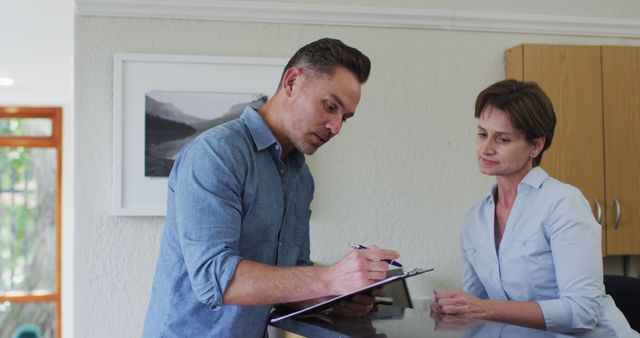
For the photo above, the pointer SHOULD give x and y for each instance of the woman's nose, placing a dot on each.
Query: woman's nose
(486, 146)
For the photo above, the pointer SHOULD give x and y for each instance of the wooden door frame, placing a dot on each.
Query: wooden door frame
(52, 141)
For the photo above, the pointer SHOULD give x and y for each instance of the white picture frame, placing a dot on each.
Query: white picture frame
(137, 74)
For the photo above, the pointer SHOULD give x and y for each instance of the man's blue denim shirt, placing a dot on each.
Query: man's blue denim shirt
(230, 197)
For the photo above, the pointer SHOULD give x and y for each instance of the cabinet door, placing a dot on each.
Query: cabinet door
(621, 103)
(571, 77)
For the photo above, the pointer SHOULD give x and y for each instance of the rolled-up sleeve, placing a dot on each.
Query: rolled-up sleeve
(209, 216)
(575, 240)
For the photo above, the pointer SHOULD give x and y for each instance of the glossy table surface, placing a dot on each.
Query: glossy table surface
(391, 321)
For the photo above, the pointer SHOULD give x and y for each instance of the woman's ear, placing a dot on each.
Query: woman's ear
(538, 145)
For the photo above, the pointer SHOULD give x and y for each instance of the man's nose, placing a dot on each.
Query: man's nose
(334, 124)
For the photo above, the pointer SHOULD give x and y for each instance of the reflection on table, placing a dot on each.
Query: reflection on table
(393, 321)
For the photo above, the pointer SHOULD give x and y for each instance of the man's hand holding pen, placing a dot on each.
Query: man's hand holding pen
(358, 269)
(390, 261)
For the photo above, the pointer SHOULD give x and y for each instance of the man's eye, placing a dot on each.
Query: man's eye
(503, 140)
(330, 107)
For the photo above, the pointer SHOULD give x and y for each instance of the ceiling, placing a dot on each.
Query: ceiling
(36, 36)
(36, 51)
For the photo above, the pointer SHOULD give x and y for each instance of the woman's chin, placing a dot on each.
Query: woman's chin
(488, 171)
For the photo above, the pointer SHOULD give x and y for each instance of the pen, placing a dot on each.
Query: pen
(390, 261)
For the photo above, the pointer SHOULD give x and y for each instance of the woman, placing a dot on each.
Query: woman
(531, 249)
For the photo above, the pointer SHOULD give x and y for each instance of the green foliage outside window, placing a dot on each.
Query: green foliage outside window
(27, 230)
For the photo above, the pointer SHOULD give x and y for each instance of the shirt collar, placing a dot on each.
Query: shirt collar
(263, 138)
(260, 133)
(533, 178)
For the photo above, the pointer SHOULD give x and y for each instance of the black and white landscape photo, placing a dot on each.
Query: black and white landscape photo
(173, 118)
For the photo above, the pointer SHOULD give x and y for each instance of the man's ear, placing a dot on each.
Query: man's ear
(291, 76)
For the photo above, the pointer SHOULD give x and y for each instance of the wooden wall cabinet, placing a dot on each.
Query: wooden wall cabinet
(595, 91)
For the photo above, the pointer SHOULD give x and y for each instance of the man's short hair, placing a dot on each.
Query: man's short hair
(324, 55)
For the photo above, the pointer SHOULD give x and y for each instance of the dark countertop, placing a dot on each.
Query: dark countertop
(392, 321)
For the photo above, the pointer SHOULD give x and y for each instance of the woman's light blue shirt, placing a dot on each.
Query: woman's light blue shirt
(550, 253)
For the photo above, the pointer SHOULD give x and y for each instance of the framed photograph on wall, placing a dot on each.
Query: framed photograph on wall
(161, 102)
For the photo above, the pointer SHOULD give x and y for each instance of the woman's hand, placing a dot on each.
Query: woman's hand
(457, 302)
(463, 305)
(434, 307)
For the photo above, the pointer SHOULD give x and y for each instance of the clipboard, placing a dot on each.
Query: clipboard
(329, 303)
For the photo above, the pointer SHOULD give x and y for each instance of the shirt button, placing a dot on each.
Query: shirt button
(281, 171)
(277, 147)
(279, 243)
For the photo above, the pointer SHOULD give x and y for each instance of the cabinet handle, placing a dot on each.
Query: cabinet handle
(616, 201)
(598, 211)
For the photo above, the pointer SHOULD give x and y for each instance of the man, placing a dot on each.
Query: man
(236, 238)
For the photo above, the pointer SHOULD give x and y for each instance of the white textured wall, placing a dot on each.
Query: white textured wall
(588, 8)
(401, 174)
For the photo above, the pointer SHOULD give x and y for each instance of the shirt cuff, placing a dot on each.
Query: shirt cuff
(556, 314)
(220, 286)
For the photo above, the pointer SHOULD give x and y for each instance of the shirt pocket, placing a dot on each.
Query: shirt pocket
(531, 253)
(483, 261)
(528, 264)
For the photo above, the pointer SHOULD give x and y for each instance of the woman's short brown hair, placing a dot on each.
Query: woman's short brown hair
(527, 106)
